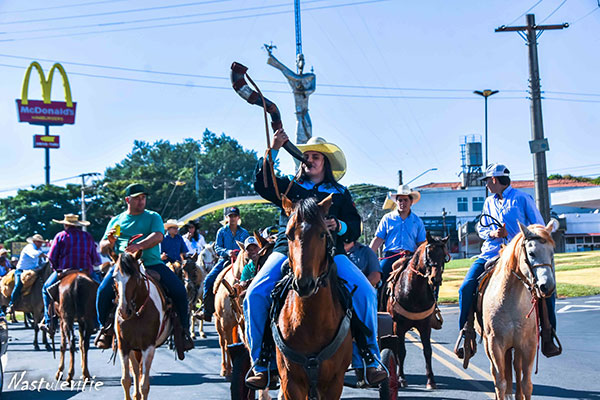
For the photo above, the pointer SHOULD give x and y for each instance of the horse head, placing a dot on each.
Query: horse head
(538, 255)
(208, 257)
(128, 277)
(310, 243)
(189, 267)
(436, 256)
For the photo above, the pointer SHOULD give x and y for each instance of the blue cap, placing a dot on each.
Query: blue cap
(496, 170)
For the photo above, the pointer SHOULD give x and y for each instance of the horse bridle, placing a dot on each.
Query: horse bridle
(144, 277)
(531, 284)
(429, 263)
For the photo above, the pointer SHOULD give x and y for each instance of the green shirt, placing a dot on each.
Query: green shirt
(249, 272)
(145, 223)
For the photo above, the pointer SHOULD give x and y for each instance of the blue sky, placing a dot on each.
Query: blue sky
(430, 55)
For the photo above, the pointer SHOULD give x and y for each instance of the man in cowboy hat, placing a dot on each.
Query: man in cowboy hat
(508, 206)
(71, 249)
(226, 246)
(173, 247)
(134, 221)
(29, 259)
(400, 231)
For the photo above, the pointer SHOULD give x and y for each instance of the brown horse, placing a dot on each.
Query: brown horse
(193, 276)
(412, 301)
(77, 303)
(33, 303)
(312, 318)
(228, 311)
(141, 322)
(523, 276)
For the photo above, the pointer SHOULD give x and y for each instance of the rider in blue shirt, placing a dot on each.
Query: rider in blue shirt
(226, 246)
(508, 206)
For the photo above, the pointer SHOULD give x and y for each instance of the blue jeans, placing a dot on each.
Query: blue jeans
(16, 293)
(168, 280)
(386, 265)
(467, 292)
(258, 303)
(209, 282)
(52, 279)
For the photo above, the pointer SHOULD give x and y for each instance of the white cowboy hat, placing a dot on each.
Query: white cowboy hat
(404, 190)
(334, 154)
(3, 252)
(36, 238)
(171, 223)
(71, 219)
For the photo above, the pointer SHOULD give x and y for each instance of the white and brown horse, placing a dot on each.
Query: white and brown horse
(141, 323)
(524, 274)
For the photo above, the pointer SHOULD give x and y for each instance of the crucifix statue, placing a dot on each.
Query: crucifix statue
(303, 86)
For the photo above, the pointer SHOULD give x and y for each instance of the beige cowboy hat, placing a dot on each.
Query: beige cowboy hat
(3, 252)
(36, 238)
(171, 223)
(72, 219)
(404, 190)
(334, 154)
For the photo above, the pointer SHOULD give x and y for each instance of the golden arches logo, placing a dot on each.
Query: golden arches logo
(46, 83)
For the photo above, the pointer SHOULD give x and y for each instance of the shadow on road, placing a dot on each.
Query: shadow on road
(554, 391)
(182, 379)
(42, 394)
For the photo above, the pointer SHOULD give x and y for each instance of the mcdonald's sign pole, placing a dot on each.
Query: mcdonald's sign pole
(46, 112)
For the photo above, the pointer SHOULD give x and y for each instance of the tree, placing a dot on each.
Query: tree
(369, 200)
(255, 217)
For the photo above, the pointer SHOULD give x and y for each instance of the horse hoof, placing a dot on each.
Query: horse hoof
(431, 386)
(203, 335)
(36, 347)
(58, 375)
(402, 383)
(48, 347)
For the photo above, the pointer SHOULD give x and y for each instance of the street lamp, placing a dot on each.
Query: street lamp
(421, 174)
(485, 94)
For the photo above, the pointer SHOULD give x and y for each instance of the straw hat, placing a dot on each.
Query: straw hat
(36, 238)
(3, 252)
(404, 190)
(72, 219)
(334, 154)
(171, 223)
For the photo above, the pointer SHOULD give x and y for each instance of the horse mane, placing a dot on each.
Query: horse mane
(128, 264)
(510, 254)
(308, 210)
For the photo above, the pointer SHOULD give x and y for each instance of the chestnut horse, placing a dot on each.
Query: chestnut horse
(412, 300)
(228, 310)
(312, 326)
(141, 322)
(523, 275)
(77, 303)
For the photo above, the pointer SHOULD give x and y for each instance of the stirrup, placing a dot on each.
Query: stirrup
(468, 349)
(549, 348)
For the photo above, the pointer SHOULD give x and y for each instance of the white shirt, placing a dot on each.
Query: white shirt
(30, 257)
(195, 246)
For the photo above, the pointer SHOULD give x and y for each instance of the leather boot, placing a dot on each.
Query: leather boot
(104, 339)
(208, 307)
(188, 343)
(436, 319)
(374, 375)
(260, 380)
(549, 348)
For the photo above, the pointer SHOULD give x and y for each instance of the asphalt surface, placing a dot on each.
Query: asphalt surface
(573, 375)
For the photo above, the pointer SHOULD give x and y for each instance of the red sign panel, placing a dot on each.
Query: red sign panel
(39, 113)
(43, 141)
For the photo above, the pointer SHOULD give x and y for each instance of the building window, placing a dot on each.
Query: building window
(463, 204)
(478, 203)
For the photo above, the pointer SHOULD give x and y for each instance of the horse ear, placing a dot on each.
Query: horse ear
(138, 254)
(552, 226)
(287, 205)
(429, 237)
(261, 240)
(194, 257)
(325, 204)
(526, 232)
(241, 245)
(445, 240)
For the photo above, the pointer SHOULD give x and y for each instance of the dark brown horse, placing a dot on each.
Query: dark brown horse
(312, 317)
(77, 303)
(193, 276)
(32, 303)
(412, 301)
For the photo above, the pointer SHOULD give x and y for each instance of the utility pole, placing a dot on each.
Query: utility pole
(47, 156)
(538, 145)
(83, 176)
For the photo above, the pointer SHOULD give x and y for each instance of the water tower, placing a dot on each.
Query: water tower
(471, 155)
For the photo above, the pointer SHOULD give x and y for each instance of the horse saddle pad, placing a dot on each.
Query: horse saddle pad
(7, 285)
(483, 281)
(155, 277)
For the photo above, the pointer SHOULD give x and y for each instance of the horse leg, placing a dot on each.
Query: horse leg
(201, 331)
(192, 320)
(63, 349)
(518, 365)
(71, 352)
(147, 357)
(496, 355)
(135, 359)
(125, 376)
(424, 329)
(508, 372)
(84, 346)
(527, 360)
(401, 333)
(222, 344)
(36, 346)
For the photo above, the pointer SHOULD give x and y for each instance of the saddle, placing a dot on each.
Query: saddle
(53, 289)
(7, 284)
(483, 281)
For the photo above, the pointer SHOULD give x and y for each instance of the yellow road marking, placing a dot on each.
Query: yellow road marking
(472, 367)
(458, 371)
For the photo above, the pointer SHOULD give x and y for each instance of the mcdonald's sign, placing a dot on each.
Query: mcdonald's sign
(46, 111)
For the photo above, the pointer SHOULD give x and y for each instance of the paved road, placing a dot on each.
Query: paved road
(573, 375)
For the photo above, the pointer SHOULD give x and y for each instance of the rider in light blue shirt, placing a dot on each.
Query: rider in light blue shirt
(507, 206)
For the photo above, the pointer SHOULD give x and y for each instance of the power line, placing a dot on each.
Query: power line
(571, 100)
(586, 15)
(553, 12)
(63, 6)
(27, 21)
(572, 93)
(529, 9)
(192, 22)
